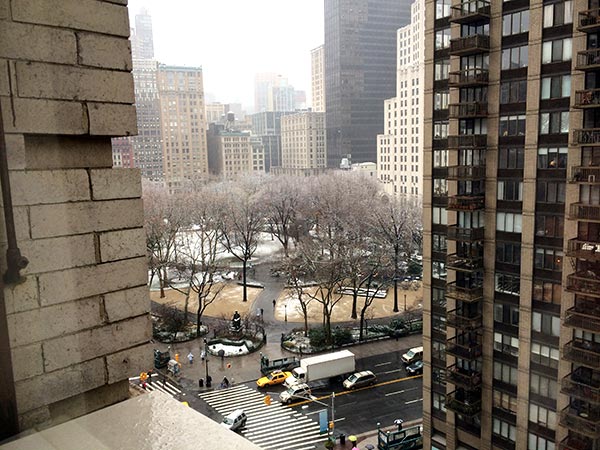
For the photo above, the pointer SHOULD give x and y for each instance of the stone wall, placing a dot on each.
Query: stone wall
(79, 323)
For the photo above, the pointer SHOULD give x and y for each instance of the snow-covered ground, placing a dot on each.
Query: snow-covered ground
(230, 350)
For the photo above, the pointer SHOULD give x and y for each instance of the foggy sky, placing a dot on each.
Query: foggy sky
(235, 39)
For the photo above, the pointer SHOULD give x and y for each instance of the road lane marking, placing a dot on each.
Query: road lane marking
(400, 392)
(391, 371)
(414, 401)
(383, 364)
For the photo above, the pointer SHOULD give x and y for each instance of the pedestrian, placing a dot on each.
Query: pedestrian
(150, 372)
(274, 303)
(399, 423)
(262, 313)
(203, 355)
(225, 382)
(190, 357)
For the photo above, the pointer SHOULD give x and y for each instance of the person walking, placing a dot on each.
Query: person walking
(274, 303)
(190, 357)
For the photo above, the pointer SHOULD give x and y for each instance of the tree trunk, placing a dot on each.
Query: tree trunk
(186, 305)
(162, 276)
(362, 324)
(354, 301)
(245, 293)
(396, 256)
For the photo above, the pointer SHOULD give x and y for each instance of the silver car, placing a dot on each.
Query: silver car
(235, 420)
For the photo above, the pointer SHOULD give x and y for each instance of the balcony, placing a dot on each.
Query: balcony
(468, 379)
(470, 140)
(589, 98)
(574, 386)
(583, 211)
(466, 407)
(586, 59)
(463, 348)
(585, 174)
(583, 352)
(464, 293)
(466, 173)
(464, 263)
(585, 315)
(589, 21)
(590, 251)
(462, 320)
(470, 45)
(586, 136)
(457, 233)
(469, 77)
(581, 421)
(466, 202)
(584, 283)
(471, 11)
(468, 110)
(576, 443)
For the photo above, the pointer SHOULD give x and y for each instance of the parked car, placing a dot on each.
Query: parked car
(360, 379)
(297, 392)
(415, 368)
(235, 420)
(413, 355)
(276, 377)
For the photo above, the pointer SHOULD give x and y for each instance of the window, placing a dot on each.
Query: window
(438, 297)
(440, 215)
(508, 252)
(515, 23)
(510, 190)
(442, 8)
(439, 242)
(438, 270)
(554, 122)
(558, 14)
(511, 158)
(438, 401)
(557, 50)
(505, 401)
(442, 39)
(548, 258)
(558, 86)
(440, 130)
(506, 344)
(438, 322)
(542, 416)
(440, 100)
(536, 442)
(545, 355)
(545, 323)
(504, 429)
(438, 375)
(547, 292)
(552, 157)
(515, 57)
(549, 226)
(550, 191)
(509, 222)
(507, 284)
(506, 314)
(540, 385)
(438, 350)
(440, 187)
(442, 68)
(512, 125)
(440, 158)
(514, 91)
(505, 373)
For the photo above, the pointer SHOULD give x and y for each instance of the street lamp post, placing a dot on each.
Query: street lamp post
(404, 302)
(332, 406)
(208, 381)
(285, 311)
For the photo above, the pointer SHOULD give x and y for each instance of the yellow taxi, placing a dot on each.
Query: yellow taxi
(273, 378)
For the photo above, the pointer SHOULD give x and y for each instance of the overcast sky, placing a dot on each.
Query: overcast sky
(235, 39)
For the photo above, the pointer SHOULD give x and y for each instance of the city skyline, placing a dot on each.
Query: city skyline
(225, 52)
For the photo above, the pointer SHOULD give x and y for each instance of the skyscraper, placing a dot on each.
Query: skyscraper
(272, 92)
(303, 141)
(317, 58)
(142, 40)
(360, 73)
(512, 225)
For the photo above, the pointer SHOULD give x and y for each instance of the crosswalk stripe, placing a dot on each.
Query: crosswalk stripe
(286, 444)
(283, 425)
(268, 435)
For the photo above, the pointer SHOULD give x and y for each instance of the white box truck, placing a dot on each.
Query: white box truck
(322, 368)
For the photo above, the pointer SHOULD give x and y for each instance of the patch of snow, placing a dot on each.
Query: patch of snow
(230, 350)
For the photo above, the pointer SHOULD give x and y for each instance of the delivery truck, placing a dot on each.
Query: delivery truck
(320, 369)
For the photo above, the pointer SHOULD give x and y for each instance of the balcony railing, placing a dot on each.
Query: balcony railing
(469, 77)
(461, 347)
(590, 251)
(580, 421)
(589, 98)
(471, 109)
(467, 379)
(586, 136)
(470, 11)
(589, 20)
(585, 315)
(573, 386)
(464, 293)
(464, 263)
(465, 407)
(468, 45)
(469, 140)
(457, 233)
(466, 173)
(583, 352)
(461, 320)
(584, 283)
(585, 174)
(583, 211)
(466, 202)
(586, 59)
(576, 443)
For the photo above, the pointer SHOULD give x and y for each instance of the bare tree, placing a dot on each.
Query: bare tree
(281, 199)
(297, 282)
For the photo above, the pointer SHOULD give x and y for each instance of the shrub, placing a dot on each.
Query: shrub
(342, 336)
(317, 337)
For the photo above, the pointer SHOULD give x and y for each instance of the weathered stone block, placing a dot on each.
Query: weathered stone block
(122, 244)
(49, 186)
(82, 282)
(38, 116)
(48, 255)
(15, 151)
(34, 418)
(4, 9)
(22, 296)
(21, 218)
(24, 328)
(60, 82)
(98, 50)
(107, 119)
(27, 361)
(135, 360)
(53, 152)
(127, 303)
(90, 344)
(58, 385)
(88, 15)
(115, 183)
(84, 217)
(4, 77)
(43, 43)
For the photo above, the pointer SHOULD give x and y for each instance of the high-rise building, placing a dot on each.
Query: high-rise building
(303, 141)
(238, 154)
(142, 40)
(360, 73)
(267, 126)
(318, 78)
(215, 113)
(512, 225)
(272, 92)
(183, 125)
(400, 148)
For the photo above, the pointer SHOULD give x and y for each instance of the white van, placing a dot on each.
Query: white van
(413, 355)
(235, 420)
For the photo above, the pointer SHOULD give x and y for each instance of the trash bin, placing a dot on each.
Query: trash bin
(201, 383)
(208, 381)
(342, 439)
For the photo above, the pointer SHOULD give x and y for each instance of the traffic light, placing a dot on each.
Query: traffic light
(267, 400)
(331, 424)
